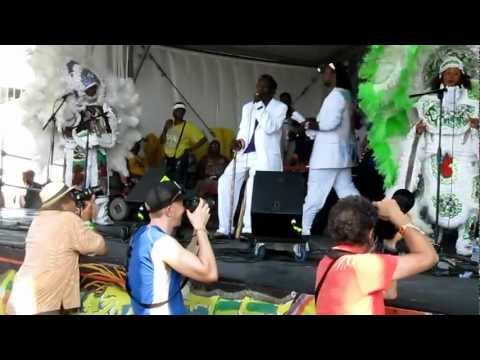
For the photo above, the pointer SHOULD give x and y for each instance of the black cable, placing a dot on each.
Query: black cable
(305, 90)
(164, 74)
(144, 57)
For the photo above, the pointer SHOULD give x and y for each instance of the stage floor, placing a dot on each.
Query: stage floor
(278, 274)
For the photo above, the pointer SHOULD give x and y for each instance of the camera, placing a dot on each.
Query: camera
(385, 230)
(80, 196)
(192, 203)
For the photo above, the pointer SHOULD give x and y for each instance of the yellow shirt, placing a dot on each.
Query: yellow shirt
(191, 135)
(153, 156)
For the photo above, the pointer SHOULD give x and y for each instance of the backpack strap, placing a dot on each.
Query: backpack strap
(179, 139)
(335, 255)
(129, 291)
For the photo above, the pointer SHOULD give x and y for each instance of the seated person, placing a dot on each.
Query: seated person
(303, 144)
(292, 127)
(146, 153)
(210, 168)
(136, 163)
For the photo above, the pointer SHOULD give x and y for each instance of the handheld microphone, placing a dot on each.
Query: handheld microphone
(257, 99)
(68, 94)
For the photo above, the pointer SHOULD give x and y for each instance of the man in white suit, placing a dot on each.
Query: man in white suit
(333, 153)
(258, 147)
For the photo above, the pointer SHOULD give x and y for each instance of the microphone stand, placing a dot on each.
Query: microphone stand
(53, 120)
(304, 91)
(89, 127)
(439, 166)
(87, 153)
(440, 93)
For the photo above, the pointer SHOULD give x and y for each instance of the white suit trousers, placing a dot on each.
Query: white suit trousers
(320, 182)
(244, 166)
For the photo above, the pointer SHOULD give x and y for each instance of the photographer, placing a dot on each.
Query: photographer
(48, 281)
(157, 263)
(353, 280)
(386, 234)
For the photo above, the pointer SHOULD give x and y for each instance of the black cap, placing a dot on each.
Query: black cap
(163, 195)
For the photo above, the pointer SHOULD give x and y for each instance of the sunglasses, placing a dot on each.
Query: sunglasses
(178, 194)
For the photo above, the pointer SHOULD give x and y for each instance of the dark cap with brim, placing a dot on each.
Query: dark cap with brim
(163, 195)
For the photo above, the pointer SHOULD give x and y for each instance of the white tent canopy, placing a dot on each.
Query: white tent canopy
(303, 55)
(218, 85)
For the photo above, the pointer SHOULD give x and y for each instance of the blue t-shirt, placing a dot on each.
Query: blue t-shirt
(151, 280)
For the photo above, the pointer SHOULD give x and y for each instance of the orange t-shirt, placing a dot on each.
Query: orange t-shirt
(355, 283)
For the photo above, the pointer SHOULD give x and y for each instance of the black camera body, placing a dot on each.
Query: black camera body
(385, 230)
(80, 196)
(191, 204)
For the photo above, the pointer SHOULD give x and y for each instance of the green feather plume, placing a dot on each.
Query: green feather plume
(388, 111)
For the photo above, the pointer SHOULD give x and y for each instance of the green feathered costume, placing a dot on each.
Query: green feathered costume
(389, 75)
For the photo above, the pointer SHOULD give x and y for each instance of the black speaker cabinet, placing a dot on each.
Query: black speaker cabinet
(277, 204)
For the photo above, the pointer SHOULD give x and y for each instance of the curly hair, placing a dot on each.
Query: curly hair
(351, 220)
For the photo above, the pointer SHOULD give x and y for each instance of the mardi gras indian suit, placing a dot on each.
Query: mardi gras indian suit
(417, 161)
(96, 126)
(459, 171)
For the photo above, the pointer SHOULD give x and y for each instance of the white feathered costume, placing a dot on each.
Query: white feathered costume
(106, 109)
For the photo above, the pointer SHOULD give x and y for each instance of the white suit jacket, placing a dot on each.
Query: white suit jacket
(334, 146)
(268, 133)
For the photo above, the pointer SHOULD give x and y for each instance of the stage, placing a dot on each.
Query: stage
(277, 275)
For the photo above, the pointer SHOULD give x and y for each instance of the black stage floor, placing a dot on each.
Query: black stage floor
(278, 274)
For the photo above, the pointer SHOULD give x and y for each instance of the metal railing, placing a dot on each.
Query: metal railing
(4, 154)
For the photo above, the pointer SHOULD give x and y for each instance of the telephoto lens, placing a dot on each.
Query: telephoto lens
(192, 203)
(80, 196)
(385, 230)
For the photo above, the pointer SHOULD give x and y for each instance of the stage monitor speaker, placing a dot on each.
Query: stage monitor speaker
(277, 204)
(151, 178)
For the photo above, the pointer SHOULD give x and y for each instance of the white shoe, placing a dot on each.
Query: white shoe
(464, 248)
(296, 250)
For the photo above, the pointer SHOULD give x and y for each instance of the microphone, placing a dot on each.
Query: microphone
(63, 97)
(256, 99)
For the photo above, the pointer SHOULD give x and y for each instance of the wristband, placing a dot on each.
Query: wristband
(89, 225)
(403, 228)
